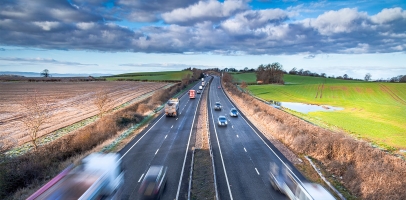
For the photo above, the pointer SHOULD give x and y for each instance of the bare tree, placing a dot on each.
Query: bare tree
(367, 77)
(271, 73)
(37, 111)
(45, 73)
(402, 79)
(243, 85)
(102, 101)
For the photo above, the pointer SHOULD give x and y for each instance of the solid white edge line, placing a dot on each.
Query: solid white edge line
(187, 147)
(139, 180)
(267, 144)
(139, 139)
(221, 155)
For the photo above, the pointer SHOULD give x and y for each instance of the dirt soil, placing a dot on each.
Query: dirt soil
(72, 102)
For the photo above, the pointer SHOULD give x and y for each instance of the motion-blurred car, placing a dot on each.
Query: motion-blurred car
(217, 106)
(154, 183)
(222, 121)
(218, 87)
(233, 112)
(199, 91)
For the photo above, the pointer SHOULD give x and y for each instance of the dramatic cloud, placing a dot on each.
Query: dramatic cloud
(227, 28)
(204, 11)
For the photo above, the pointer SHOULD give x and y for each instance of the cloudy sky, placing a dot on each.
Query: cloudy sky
(119, 36)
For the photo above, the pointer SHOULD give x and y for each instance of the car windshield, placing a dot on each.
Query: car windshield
(217, 104)
(222, 119)
(234, 111)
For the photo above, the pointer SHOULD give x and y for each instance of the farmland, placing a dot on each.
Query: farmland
(72, 102)
(151, 76)
(372, 111)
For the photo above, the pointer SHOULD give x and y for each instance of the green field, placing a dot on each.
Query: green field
(152, 76)
(372, 111)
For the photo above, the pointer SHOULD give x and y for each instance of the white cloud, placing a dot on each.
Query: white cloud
(389, 15)
(254, 19)
(85, 25)
(47, 26)
(204, 10)
(332, 22)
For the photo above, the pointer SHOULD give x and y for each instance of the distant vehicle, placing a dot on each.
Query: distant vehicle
(172, 107)
(199, 92)
(233, 112)
(202, 79)
(192, 94)
(222, 121)
(200, 87)
(282, 180)
(154, 182)
(217, 106)
(99, 176)
(203, 83)
(218, 87)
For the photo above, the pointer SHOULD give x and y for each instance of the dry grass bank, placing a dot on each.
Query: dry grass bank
(367, 172)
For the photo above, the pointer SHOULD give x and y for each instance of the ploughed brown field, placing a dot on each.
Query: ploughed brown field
(72, 102)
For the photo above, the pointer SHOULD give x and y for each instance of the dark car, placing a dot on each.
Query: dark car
(217, 106)
(154, 182)
(222, 121)
(199, 91)
(218, 87)
(233, 112)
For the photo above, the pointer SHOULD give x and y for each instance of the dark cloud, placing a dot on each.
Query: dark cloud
(2, 49)
(226, 28)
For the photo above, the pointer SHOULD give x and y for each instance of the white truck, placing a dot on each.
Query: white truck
(99, 176)
(172, 107)
(282, 179)
(203, 79)
(200, 87)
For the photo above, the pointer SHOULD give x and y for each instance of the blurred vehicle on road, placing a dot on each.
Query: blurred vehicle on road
(154, 183)
(233, 112)
(222, 121)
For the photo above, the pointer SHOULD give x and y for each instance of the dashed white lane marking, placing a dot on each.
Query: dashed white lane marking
(166, 136)
(245, 149)
(156, 151)
(256, 170)
(176, 118)
(172, 126)
(232, 126)
(237, 136)
(139, 180)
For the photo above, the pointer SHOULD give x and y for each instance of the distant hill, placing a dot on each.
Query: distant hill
(35, 74)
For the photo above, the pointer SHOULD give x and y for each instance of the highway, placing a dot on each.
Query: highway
(241, 153)
(166, 141)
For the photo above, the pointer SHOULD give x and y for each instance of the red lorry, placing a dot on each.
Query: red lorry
(192, 94)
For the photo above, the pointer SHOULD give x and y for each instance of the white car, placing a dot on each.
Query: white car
(222, 121)
(233, 112)
(217, 106)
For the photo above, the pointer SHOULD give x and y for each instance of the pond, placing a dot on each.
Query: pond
(304, 108)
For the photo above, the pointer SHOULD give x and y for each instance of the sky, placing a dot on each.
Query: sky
(121, 36)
